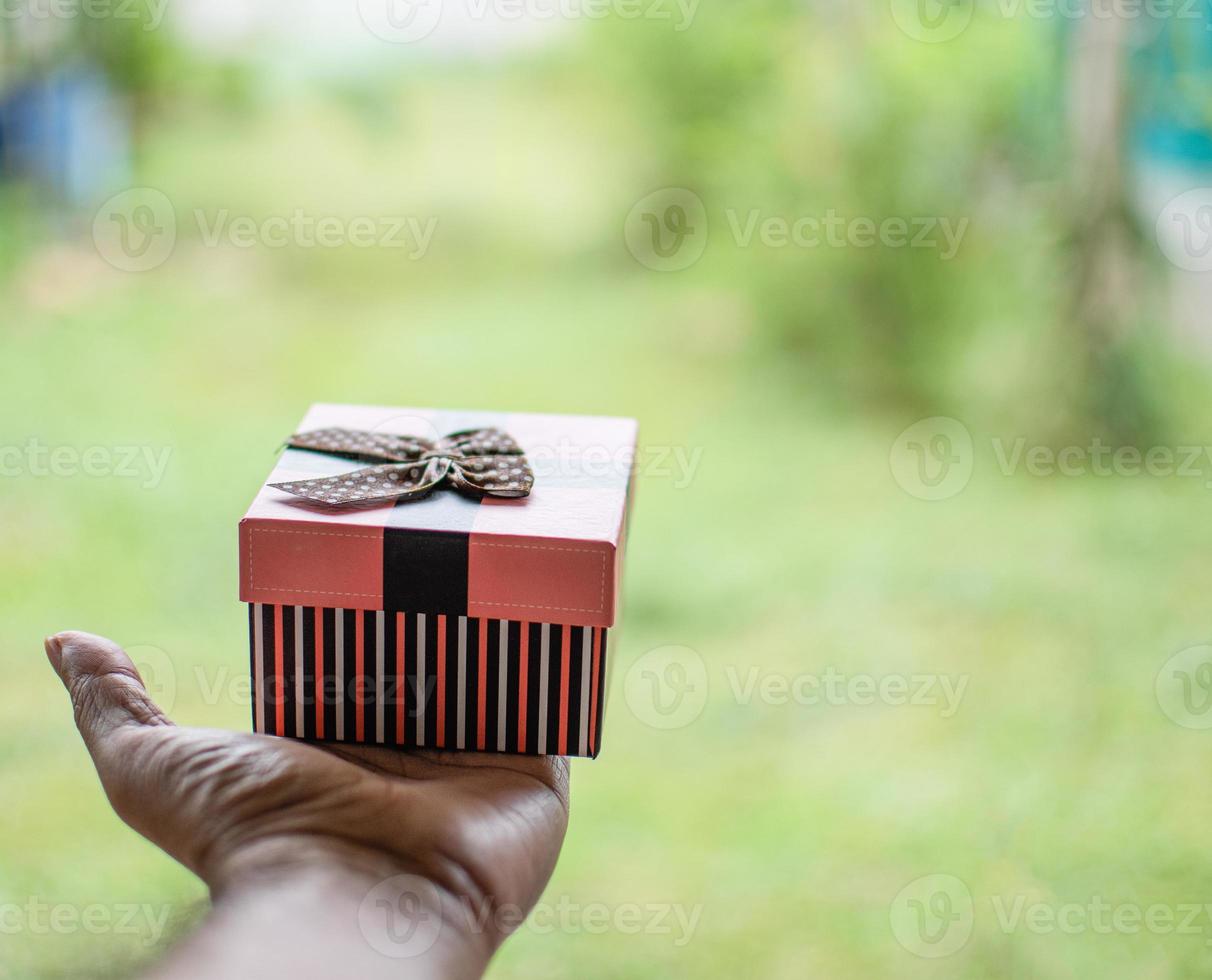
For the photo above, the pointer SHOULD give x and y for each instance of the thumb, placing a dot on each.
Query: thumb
(113, 709)
(155, 774)
(106, 690)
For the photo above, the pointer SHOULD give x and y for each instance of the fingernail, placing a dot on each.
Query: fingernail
(54, 651)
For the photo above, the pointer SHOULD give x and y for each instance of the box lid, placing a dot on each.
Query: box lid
(554, 556)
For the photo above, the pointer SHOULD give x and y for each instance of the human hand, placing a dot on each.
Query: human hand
(321, 860)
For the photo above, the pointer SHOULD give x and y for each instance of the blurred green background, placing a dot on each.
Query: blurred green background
(855, 508)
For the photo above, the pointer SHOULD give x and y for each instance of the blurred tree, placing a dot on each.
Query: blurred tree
(1106, 293)
(800, 109)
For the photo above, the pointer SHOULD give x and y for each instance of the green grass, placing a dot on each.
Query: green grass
(789, 828)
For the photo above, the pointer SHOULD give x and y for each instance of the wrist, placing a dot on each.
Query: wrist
(300, 862)
(326, 922)
(297, 909)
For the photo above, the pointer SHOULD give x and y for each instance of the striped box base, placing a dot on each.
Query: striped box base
(418, 680)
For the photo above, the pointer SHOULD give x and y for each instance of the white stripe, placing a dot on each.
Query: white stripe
(339, 629)
(461, 687)
(380, 675)
(258, 668)
(586, 668)
(503, 681)
(422, 690)
(299, 692)
(544, 640)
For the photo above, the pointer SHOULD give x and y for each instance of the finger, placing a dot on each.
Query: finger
(110, 702)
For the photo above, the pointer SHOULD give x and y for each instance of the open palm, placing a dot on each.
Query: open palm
(471, 833)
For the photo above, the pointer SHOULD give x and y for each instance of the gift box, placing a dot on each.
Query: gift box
(438, 579)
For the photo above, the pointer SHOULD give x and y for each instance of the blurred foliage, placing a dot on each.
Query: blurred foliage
(137, 57)
(799, 110)
(789, 109)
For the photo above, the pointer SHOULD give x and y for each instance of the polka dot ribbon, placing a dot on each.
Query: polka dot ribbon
(478, 462)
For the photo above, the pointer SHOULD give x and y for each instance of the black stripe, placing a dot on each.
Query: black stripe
(309, 673)
(470, 691)
(493, 685)
(576, 678)
(429, 689)
(412, 692)
(391, 681)
(416, 683)
(288, 670)
(555, 658)
(410, 679)
(350, 630)
(450, 664)
(329, 691)
(513, 690)
(534, 658)
(369, 689)
(270, 691)
(603, 676)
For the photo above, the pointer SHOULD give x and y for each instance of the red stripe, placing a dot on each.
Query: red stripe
(401, 679)
(482, 688)
(279, 675)
(565, 658)
(441, 681)
(359, 670)
(523, 666)
(593, 690)
(319, 630)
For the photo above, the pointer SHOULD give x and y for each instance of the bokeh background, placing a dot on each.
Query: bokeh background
(911, 300)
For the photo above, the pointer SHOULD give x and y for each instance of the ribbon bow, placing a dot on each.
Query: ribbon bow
(479, 462)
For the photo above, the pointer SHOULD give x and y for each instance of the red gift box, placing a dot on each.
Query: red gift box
(447, 622)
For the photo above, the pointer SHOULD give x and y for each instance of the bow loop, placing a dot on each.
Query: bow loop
(478, 442)
(478, 462)
(362, 445)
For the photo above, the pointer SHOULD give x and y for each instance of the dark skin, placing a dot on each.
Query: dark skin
(302, 846)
